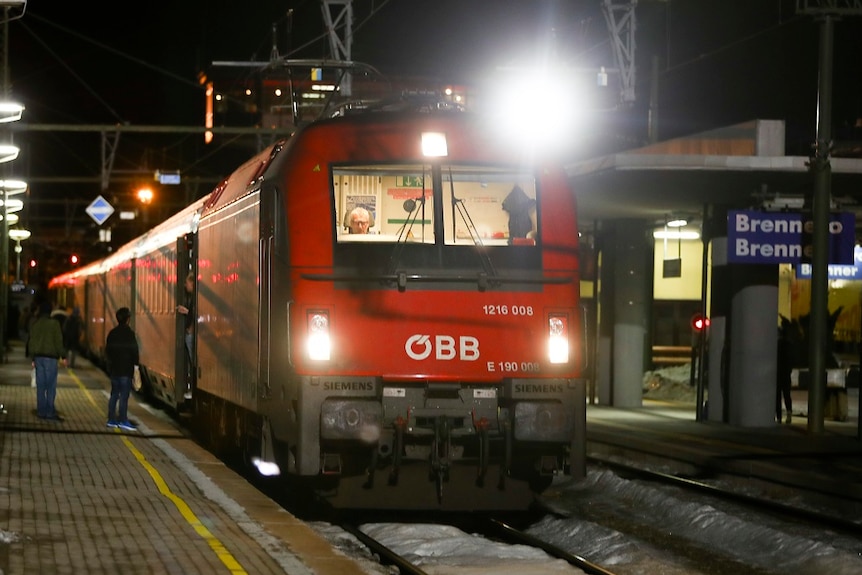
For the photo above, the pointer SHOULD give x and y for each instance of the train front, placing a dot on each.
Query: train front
(436, 334)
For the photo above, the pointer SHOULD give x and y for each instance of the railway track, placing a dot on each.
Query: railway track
(494, 531)
(513, 535)
(755, 494)
(713, 526)
(623, 519)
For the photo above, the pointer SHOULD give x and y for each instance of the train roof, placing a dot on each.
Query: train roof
(240, 182)
(166, 233)
(244, 179)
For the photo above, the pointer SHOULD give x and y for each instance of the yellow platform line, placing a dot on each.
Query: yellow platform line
(215, 544)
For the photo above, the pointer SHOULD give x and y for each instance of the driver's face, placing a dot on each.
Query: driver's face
(358, 225)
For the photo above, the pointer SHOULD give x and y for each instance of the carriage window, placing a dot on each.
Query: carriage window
(478, 205)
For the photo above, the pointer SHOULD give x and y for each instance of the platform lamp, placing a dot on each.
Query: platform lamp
(7, 188)
(18, 235)
(12, 187)
(8, 207)
(10, 112)
(145, 196)
(8, 152)
(12, 205)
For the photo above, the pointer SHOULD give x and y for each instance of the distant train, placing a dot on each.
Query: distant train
(434, 362)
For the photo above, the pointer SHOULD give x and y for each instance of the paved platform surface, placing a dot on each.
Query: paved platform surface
(829, 461)
(77, 497)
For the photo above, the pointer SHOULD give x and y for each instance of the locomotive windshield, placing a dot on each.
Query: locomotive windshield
(467, 206)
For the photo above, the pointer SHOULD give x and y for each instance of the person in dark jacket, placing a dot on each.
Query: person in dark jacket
(521, 209)
(45, 346)
(187, 309)
(72, 335)
(121, 351)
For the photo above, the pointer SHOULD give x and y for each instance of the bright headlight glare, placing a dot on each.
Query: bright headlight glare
(558, 339)
(434, 145)
(319, 344)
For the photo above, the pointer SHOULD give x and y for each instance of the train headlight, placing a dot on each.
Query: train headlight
(350, 419)
(434, 145)
(558, 338)
(318, 335)
(266, 468)
(543, 421)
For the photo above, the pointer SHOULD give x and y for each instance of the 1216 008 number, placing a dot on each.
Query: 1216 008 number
(497, 309)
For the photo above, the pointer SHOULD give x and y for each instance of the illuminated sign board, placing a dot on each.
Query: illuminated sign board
(169, 178)
(755, 237)
(100, 210)
(837, 271)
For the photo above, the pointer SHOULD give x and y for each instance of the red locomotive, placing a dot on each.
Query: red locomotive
(432, 360)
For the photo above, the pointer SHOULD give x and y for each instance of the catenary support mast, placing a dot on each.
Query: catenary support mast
(826, 11)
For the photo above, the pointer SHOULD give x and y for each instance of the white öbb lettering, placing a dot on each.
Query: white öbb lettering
(445, 347)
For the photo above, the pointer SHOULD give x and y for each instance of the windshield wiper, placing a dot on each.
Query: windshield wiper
(459, 206)
(406, 229)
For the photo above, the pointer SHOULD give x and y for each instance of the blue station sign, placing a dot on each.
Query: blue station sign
(837, 271)
(100, 210)
(755, 237)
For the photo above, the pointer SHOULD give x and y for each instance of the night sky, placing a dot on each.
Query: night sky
(720, 62)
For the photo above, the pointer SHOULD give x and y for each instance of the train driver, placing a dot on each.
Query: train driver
(359, 221)
(522, 217)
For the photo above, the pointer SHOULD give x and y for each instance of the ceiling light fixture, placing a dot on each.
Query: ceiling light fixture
(677, 234)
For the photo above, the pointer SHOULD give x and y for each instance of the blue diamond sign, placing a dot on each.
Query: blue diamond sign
(100, 210)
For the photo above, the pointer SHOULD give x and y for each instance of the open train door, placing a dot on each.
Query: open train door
(185, 377)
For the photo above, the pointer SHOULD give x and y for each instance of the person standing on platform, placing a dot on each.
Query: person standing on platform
(784, 372)
(121, 351)
(24, 323)
(45, 346)
(72, 335)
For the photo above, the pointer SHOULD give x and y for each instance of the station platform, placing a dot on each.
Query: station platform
(78, 497)
(666, 432)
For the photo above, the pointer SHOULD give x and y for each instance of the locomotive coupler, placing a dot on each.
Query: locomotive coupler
(440, 449)
(440, 454)
(397, 450)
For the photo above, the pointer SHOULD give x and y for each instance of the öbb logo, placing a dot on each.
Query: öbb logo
(445, 347)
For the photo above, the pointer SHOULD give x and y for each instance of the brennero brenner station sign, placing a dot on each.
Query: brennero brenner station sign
(785, 237)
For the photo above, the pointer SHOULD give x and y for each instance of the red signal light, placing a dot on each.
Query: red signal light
(73, 259)
(698, 322)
